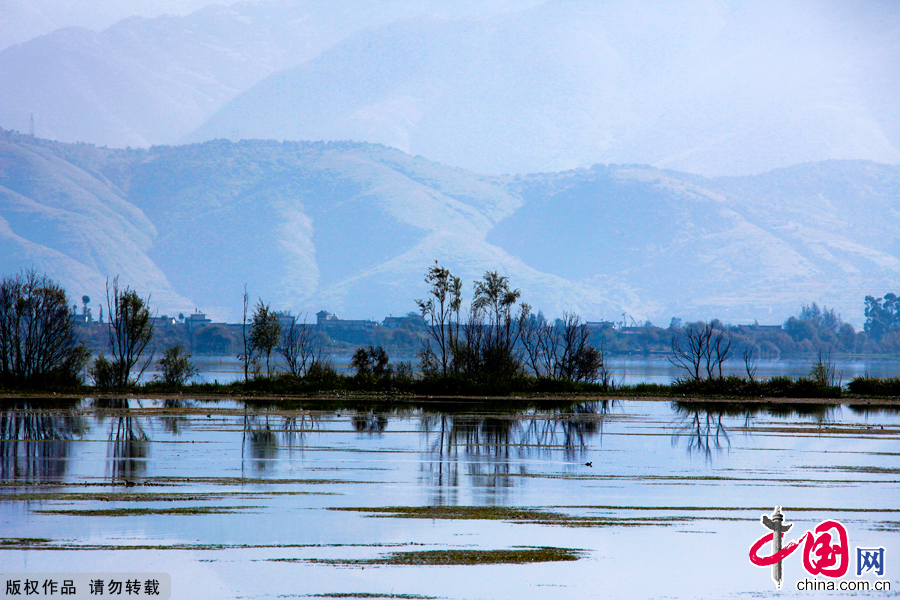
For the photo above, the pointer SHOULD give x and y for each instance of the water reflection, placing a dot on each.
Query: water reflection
(702, 425)
(370, 422)
(486, 445)
(260, 442)
(35, 446)
(127, 449)
(175, 423)
(703, 428)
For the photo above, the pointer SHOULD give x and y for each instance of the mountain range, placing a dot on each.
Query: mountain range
(715, 87)
(352, 228)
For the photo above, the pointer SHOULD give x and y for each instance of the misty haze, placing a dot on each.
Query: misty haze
(420, 299)
(730, 160)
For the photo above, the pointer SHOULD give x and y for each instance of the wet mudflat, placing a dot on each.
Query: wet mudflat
(609, 499)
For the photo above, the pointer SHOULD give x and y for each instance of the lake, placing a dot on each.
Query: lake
(615, 498)
(627, 369)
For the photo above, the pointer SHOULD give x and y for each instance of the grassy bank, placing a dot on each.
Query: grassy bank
(462, 386)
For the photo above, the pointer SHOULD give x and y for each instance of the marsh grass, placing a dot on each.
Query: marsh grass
(513, 556)
(135, 512)
(511, 515)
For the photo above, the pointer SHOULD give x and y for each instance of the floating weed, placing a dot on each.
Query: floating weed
(251, 481)
(856, 469)
(110, 497)
(18, 543)
(510, 514)
(490, 513)
(42, 544)
(134, 512)
(513, 556)
(887, 526)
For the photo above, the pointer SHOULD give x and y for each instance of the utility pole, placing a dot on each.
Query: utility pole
(31, 126)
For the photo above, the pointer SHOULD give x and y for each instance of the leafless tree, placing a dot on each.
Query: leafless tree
(540, 341)
(300, 346)
(750, 355)
(702, 351)
(247, 355)
(562, 351)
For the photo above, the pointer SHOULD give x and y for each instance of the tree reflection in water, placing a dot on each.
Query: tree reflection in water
(260, 443)
(127, 449)
(172, 421)
(34, 446)
(489, 444)
(702, 424)
(370, 422)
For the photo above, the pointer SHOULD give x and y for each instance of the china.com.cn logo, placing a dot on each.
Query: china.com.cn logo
(826, 550)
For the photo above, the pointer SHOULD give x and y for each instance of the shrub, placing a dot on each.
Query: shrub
(175, 366)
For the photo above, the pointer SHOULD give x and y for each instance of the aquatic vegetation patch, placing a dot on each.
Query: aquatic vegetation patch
(252, 481)
(490, 513)
(135, 512)
(45, 544)
(512, 556)
(18, 543)
(509, 514)
(887, 526)
(856, 469)
(110, 497)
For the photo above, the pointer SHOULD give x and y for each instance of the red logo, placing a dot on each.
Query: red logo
(826, 549)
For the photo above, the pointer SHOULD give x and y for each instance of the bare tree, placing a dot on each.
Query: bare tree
(702, 351)
(247, 355)
(562, 351)
(37, 339)
(750, 355)
(130, 331)
(441, 314)
(540, 340)
(300, 347)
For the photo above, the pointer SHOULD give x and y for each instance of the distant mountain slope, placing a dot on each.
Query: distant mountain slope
(718, 88)
(353, 227)
(146, 81)
(151, 81)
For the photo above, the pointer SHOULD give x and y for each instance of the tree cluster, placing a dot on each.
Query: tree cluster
(38, 344)
(500, 338)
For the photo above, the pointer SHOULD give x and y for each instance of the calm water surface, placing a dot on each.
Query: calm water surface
(239, 501)
(627, 369)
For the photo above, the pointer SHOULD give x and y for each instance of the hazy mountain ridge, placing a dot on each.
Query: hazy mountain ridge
(706, 86)
(709, 87)
(149, 81)
(352, 228)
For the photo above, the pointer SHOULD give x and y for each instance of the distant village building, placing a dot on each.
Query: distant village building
(195, 320)
(285, 319)
(329, 320)
(85, 318)
(163, 321)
